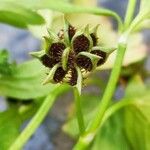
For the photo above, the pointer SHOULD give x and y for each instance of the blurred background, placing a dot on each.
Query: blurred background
(19, 43)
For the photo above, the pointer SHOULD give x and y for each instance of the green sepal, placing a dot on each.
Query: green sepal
(53, 35)
(38, 54)
(108, 50)
(86, 32)
(66, 35)
(94, 58)
(51, 74)
(79, 80)
(47, 43)
(95, 30)
(64, 58)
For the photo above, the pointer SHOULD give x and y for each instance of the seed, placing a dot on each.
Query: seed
(81, 43)
(74, 77)
(84, 62)
(71, 60)
(56, 50)
(47, 61)
(59, 75)
(102, 54)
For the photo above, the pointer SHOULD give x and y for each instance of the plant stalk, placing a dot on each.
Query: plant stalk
(116, 107)
(66, 7)
(79, 114)
(86, 139)
(129, 13)
(36, 121)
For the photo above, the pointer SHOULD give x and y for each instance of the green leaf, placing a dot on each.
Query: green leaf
(41, 30)
(143, 15)
(111, 136)
(88, 104)
(144, 25)
(136, 51)
(66, 7)
(10, 123)
(145, 8)
(135, 87)
(137, 115)
(127, 128)
(6, 68)
(17, 15)
(137, 123)
(26, 82)
(85, 2)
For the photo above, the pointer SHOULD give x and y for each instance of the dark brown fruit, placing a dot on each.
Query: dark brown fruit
(84, 62)
(71, 60)
(56, 50)
(59, 75)
(102, 54)
(81, 43)
(47, 61)
(74, 77)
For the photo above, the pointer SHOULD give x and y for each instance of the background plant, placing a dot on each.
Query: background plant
(134, 108)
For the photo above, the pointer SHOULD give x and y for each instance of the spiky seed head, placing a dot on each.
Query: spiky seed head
(81, 43)
(71, 55)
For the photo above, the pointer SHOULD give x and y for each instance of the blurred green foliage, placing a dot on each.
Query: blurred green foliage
(6, 68)
(128, 128)
(122, 131)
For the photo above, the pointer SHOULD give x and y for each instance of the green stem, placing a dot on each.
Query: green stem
(66, 7)
(136, 22)
(114, 108)
(129, 13)
(36, 121)
(89, 135)
(79, 111)
(122, 103)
